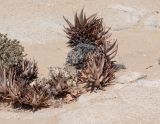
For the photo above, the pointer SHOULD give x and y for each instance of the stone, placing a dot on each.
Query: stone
(131, 77)
(149, 83)
(131, 104)
(121, 17)
(152, 22)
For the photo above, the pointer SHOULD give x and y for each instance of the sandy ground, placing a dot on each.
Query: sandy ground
(38, 24)
(138, 50)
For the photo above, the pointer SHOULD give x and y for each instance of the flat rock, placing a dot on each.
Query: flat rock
(135, 103)
(149, 83)
(129, 9)
(131, 77)
(121, 17)
(152, 22)
(131, 104)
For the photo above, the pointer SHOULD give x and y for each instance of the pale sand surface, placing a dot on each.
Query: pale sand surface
(38, 24)
(138, 49)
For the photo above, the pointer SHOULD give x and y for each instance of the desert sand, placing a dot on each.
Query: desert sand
(38, 24)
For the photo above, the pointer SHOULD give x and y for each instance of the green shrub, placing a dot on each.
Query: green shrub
(11, 51)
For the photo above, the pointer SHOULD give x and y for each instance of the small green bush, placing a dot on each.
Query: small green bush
(11, 51)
